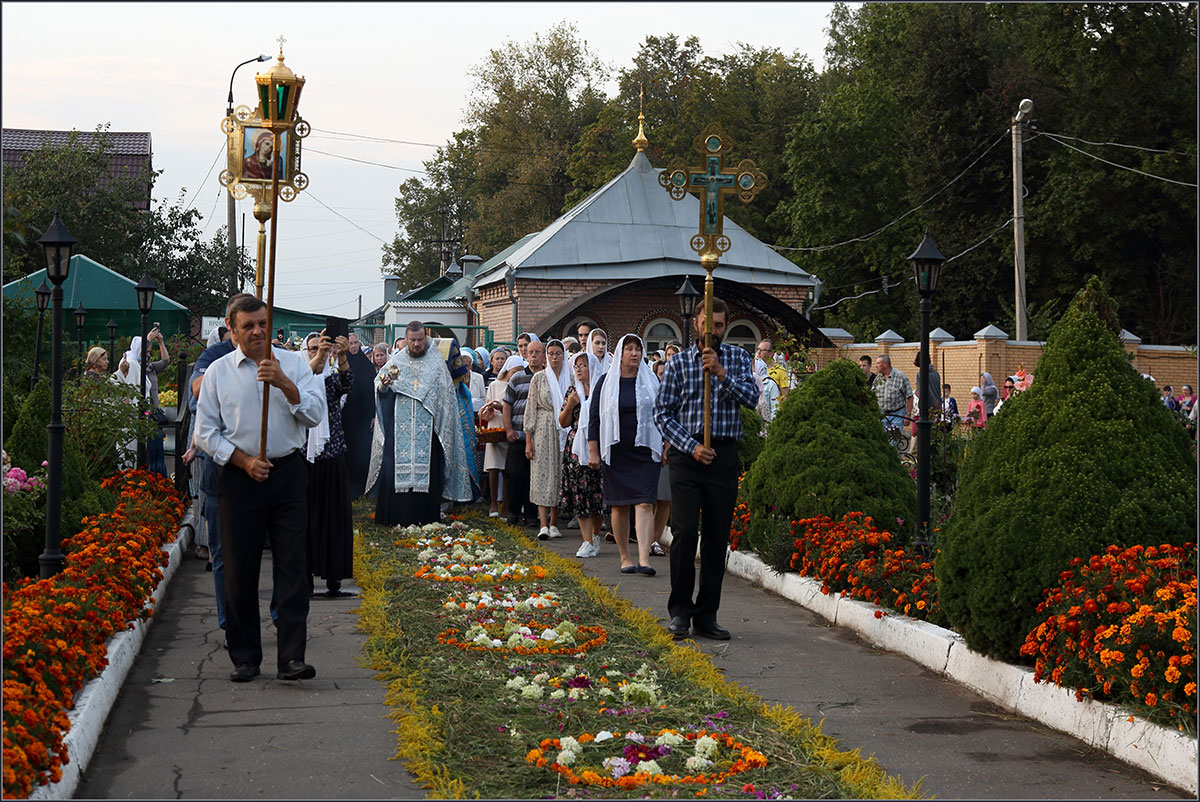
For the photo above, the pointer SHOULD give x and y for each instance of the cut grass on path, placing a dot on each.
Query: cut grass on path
(522, 720)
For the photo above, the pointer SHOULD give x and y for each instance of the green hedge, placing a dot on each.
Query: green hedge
(826, 454)
(1088, 457)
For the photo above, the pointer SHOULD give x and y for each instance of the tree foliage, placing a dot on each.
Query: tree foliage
(906, 128)
(1087, 458)
(100, 210)
(826, 453)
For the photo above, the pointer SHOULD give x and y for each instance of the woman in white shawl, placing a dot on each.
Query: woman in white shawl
(582, 486)
(543, 440)
(597, 344)
(624, 442)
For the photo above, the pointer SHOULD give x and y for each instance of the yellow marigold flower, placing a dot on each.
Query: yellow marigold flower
(1189, 689)
(1181, 635)
(1172, 674)
(1151, 700)
(1138, 670)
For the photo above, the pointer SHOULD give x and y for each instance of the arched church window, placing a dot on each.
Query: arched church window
(659, 332)
(743, 334)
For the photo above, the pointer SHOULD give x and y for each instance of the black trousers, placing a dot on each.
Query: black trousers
(516, 476)
(702, 501)
(251, 512)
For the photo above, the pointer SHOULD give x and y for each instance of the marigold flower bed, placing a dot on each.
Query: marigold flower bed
(56, 630)
(1121, 625)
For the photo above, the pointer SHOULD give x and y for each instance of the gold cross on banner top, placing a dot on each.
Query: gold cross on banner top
(711, 183)
(281, 41)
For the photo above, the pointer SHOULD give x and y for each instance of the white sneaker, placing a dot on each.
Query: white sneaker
(544, 534)
(493, 515)
(588, 550)
(554, 533)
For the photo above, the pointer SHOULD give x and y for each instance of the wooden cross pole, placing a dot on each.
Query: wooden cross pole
(275, 171)
(711, 183)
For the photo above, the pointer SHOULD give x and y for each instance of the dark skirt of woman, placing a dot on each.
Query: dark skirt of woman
(582, 490)
(330, 520)
(156, 455)
(632, 478)
(403, 509)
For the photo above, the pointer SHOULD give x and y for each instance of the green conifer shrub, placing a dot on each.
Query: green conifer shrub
(751, 444)
(826, 453)
(1088, 457)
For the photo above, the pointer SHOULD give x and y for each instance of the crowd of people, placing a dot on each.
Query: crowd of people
(594, 437)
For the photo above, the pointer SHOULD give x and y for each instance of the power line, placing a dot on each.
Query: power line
(196, 194)
(993, 233)
(344, 217)
(1119, 144)
(1122, 166)
(878, 231)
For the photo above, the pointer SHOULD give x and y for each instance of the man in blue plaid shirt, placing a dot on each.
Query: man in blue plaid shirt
(703, 480)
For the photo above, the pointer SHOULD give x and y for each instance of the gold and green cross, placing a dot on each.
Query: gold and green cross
(711, 183)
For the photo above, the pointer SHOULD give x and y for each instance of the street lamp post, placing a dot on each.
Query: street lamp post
(42, 293)
(112, 341)
(145, 290)
(229, 201)
(56, 244)
(80, 319)
(688, 297)
(1023, 112)
(926, 261)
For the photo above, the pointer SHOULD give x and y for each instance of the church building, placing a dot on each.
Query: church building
(616, 260)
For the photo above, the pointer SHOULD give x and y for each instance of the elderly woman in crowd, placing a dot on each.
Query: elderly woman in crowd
(491, 416)
(495, 365)
(543, 439)
(626, 445)
(130, 372)
(582, 485)
(96, 365)
(988, 392)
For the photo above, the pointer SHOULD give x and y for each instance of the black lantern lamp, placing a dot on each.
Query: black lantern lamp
(56, 243)
(145, 290)
(926, 263)
(42, 294)
(688, 298)
(80, 319)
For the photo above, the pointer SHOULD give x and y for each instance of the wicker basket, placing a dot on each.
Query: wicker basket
(491, 436)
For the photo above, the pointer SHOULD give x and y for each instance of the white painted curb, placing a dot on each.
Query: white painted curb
(1167, 754)
(98, 696)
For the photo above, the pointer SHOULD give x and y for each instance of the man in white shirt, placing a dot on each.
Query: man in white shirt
(261, 497)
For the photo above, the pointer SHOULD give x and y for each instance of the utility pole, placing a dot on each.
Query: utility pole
(359, 308)
(445, 252)
(1023, 112)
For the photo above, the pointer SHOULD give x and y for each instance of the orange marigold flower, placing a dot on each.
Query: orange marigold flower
(1151, 700)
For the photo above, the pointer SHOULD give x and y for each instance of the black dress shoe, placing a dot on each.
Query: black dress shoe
(678, 627)
(511, 520)
(296, 669)
(243, 672)
(714, 631)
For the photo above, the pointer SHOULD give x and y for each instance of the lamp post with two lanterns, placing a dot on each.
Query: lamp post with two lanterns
(80, 319)
(56, 244)
(145, 290)
(42, 293)
(112, 341)
(926, 262)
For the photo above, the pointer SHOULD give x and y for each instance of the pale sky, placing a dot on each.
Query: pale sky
(391, 70)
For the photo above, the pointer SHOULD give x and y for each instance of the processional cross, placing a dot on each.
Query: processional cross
(711, 183)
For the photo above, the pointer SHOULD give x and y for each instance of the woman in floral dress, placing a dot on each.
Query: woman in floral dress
(543, 447)
(582, 487)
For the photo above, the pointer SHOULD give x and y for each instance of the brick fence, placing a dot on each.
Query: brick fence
(959, 362)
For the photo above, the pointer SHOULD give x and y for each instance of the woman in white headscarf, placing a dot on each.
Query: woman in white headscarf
(130, 371)
(597, 344)
(544, 441)
(582, 485)
(491, 416)
(330, 547)
(625, 443)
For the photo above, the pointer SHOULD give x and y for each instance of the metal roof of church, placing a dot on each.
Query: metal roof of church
(631, 228)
